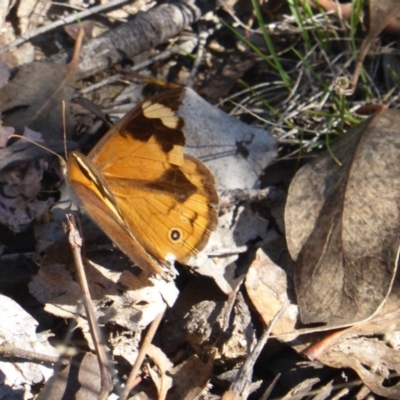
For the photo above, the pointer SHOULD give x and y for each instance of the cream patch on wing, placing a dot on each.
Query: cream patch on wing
(157, 110)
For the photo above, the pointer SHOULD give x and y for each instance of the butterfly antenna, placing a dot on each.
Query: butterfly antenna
(36, 144)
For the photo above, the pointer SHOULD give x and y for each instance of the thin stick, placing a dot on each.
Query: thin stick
(75, 241)
(142, 354)
(230, 303)
(243, 379)
(203, 36)
(9, 350)
(62, 21)
(114, 78)
(270, 387)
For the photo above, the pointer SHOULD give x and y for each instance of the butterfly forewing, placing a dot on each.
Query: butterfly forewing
(95, 197)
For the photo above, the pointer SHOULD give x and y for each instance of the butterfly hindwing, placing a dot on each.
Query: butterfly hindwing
(177, 223)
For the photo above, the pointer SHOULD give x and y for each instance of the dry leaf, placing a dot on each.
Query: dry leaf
(190, 378)
(370, 348)
(161, 378)
(31, 13)
(220, 86)
(342, 224)
(382, 14)
(131, 301)
(80, 380)
(18, 329)
(21, 181)
(225, 138)
(19, 189)
(266, 285)
(34, 98)
(121, 298)
(236, 228)
(305, 390)
(229, 395)
(73, 29)
(4, 10)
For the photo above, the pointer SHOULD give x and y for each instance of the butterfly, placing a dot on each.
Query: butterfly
(157, 204)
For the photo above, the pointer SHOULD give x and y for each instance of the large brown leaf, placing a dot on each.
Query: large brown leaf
(342, 224)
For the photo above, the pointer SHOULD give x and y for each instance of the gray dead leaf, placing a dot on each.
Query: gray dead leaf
(302, 390)
(22, 151)
(138, 301)
(34, 98)
(125, 346)
(238, 224)
(33, 136)
(4, 10)
(19, 189)
(18, 329)
(22, 166)
(373, 360)
(342, 224)
(235, 229)
(235, 152)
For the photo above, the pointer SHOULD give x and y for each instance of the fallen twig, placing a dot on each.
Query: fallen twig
(145, 32)
(242, 384)
(142, 354)
(75, 242)
(61, 22)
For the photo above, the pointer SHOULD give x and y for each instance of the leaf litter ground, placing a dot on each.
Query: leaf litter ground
(209, 318)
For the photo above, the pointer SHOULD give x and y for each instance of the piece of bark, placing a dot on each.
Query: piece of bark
(145, 32)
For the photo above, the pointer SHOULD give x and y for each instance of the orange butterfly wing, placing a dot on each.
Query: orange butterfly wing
(165, 200)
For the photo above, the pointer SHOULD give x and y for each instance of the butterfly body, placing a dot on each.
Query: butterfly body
(157, 204)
